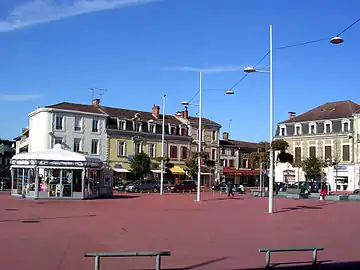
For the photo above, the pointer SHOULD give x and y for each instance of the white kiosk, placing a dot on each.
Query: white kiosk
(59, 174)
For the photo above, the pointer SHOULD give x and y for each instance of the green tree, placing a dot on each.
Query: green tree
(312, 167)
(141, 165)
(192, 163)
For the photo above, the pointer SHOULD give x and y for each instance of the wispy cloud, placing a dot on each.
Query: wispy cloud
(18, 97)
(207, 69)
(41, 11)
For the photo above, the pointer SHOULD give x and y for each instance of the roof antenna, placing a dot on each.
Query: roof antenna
(230, 121)
(92, 94)
(101, 92)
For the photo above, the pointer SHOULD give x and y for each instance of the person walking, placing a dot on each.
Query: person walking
(323, 192)
(230, 186)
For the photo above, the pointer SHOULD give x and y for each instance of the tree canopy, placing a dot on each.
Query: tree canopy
(312, 167)
(262, 156)
(191, 163)
(141, 164)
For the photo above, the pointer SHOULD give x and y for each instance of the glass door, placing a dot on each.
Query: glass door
(66, 183)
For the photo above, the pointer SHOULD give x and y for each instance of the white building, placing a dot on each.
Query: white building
(79, 128)
(329, 133)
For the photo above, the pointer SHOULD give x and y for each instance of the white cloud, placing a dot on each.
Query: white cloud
(18, 97)
(40, 11)
(208, 69)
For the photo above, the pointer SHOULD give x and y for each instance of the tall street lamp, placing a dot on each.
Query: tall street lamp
(186, 103)
(162, 146)
(334, 40)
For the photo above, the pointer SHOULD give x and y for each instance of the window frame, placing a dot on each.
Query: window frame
(182, 156)
(80, 147)
(137, 123)
(80, 124)
(62, 140)
(123, 147)
(213, 154)
(150, 126)
(331, 149)
(342, 153)
(141, 146)
(313, 124)
(310, 150)
(120, 123)
(152, 146)
(171, 146)
(327, 124)
(343, 122)
(295, 159)
(62, 122)
(97, 126)
(296, 128)
(97, 147)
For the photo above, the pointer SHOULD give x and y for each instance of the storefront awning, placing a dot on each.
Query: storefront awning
(120, 170)
(177, 170)
(157, 171)
(232, 171)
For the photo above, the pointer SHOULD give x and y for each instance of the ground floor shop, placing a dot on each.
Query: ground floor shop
(340, 178)
(245, 177)
(59, 174)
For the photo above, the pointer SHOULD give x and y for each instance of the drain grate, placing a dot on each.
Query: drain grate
(30, 221)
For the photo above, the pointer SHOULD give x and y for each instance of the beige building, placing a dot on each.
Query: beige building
(210, 143)
(328, 133)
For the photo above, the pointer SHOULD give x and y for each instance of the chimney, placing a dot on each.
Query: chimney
(185, 113)
(96, 102)
(156, 110)
(23, 130)
(291, 115)
(225, 136)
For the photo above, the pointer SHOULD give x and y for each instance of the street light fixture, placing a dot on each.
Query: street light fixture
(337, 40)
(187, 103)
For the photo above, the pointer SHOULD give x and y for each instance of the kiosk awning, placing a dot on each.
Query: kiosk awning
(177, 170)
(120, 170)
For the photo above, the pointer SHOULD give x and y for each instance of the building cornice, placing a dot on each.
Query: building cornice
(43, 109)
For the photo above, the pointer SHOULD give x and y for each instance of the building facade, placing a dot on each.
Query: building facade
(235, 163)
(131, 132)
(209, 141)
(328, 133)
(80, 128)
(22, 142)
(6, 152)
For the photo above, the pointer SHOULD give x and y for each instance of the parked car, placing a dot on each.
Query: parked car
(143, 185)
(121, 186)
(186, 185)
(281, 186)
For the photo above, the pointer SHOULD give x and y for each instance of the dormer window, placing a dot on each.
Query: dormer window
(152, 127)
(137, 126)
(298, 130)
(328, 127)
(173, 130)
(282, 130)
(122, 124)
(312, 128)
(345, 126)
(183, 131)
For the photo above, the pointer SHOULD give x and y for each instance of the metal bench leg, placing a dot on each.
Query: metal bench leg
(314, 257)
(97, 262)
(267, 263)
(158, 262)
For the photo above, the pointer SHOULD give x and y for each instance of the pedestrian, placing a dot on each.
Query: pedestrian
(323, 192)
(230, 186)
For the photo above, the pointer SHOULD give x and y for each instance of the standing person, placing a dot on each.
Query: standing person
(230, 186)
(323, 192)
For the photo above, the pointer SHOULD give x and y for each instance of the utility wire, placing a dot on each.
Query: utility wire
(347, 28)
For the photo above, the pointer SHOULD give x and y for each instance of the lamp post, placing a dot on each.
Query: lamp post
(334, 40)
(186, 103)
(271, 171)
(162, 147)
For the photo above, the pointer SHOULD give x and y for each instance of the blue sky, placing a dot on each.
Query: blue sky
(53, 51)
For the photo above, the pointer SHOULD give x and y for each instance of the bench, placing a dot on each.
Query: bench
(290, 249)
(98, 255)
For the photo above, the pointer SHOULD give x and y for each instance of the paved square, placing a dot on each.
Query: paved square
(218, 233)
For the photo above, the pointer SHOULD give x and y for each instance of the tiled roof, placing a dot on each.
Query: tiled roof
(203, 120)
(114, 112)
(145, 116)
(75, 107)
(330, 110)
(241, 144)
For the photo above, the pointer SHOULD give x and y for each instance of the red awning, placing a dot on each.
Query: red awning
(232, 171)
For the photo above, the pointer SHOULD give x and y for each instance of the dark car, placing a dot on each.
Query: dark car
(186, 185)
(143, 185)
(121, 186)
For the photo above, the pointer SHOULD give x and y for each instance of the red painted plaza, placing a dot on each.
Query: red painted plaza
(218, 233)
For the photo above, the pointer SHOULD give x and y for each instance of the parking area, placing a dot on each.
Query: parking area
(217, 233)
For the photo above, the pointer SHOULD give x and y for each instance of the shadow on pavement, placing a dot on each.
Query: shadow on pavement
(224, 199)
(38, 219)
(195, 266)
(325, 266)
(299, 207)
(118, 197)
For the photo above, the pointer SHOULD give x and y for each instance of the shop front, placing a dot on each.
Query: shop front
(244, 177)
(59, 174)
